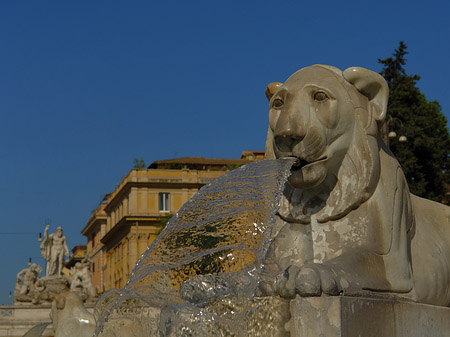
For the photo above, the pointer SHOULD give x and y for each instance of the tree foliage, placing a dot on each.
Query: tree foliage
(425, 156)
(139, 163)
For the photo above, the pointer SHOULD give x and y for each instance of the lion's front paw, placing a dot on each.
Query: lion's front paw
(311, 280)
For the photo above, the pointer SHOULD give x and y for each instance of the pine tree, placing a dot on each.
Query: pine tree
(425, 156)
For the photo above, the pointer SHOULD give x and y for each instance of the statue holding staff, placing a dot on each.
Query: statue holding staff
(53, 249)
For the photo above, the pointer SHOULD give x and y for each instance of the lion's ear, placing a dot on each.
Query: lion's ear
(271, 88)
(372, 85)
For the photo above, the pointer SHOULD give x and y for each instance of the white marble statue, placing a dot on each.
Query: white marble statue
(81, 280)
(26, 282)
(53, 249)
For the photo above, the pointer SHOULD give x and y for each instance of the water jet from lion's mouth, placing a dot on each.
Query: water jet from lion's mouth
(298, 164)
(215, 245)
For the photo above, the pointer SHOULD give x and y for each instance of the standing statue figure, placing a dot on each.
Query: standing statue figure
(53, 249)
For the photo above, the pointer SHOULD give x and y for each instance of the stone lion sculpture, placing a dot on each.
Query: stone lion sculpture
(347, 222)
(69, 316)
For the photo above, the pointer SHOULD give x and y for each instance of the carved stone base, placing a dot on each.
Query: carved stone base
(349, 317)
(43, 291)
(16, 321)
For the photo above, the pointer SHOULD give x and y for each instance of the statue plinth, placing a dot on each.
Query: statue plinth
(357, 316)
(17, 320)
(43, 291)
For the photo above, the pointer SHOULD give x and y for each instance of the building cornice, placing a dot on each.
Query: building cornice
(161, 184)
(123, 227)
(97, 219)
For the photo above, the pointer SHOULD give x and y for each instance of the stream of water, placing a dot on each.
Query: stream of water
(199, 276)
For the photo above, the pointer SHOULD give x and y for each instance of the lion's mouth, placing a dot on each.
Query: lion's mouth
(300, 163)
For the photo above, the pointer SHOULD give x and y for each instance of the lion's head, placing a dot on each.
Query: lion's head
(328, 120)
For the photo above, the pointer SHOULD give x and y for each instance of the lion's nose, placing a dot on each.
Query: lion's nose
(286, 142)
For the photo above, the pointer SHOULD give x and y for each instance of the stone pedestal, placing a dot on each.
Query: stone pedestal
(16, 320)
(352, 317)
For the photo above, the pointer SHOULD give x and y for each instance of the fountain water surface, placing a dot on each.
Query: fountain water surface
(200, 275)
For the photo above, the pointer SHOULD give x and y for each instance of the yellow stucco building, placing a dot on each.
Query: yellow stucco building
(128, 220)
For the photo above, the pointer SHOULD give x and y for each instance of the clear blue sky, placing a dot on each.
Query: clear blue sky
(87, 86)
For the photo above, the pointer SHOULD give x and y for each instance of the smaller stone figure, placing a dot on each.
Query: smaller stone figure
(26, 282)
(81, 282)
(53, 249)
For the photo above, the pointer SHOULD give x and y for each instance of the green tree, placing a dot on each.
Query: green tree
(425, 156)
(138, 163)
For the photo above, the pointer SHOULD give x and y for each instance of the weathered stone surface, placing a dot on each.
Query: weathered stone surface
(352, 316)
(325, 316)
(49, 287)
(70, 318)
(348, 222)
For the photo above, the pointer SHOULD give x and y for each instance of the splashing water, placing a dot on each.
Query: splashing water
(199, 276)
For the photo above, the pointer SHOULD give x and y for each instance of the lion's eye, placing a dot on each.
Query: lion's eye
(277, 103)
(320, 96)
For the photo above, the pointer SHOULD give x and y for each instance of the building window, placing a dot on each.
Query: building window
(93, 239)
(164, 202)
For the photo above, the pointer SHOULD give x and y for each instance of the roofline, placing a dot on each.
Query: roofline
(200, 160)
(91, 222)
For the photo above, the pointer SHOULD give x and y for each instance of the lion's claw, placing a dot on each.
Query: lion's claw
(285, 282)
(328, 280)
(307, 283)
(311, 280)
